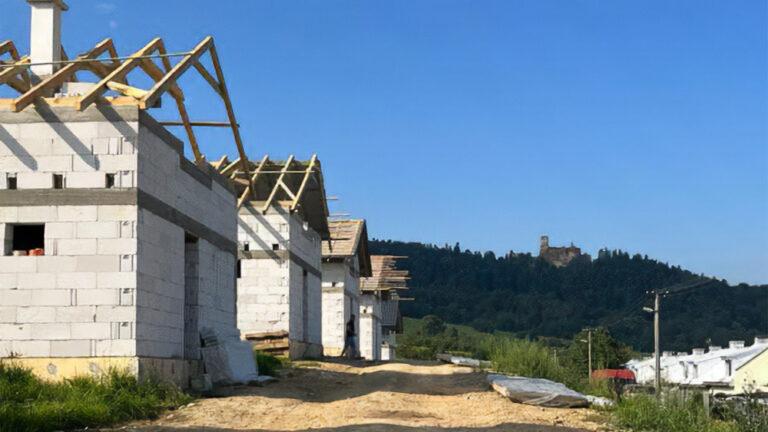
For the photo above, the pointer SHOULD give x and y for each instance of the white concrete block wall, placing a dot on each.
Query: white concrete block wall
(161, 265)
(82, 152)
(111, 281)
(270, 291)
(370, 327)
(67, 302)
(341, 297)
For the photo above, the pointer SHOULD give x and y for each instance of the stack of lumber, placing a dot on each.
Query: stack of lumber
(275, 343)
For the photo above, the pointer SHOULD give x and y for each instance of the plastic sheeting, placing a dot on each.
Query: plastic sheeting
(229, 361)
(464, 361)
(537, 391)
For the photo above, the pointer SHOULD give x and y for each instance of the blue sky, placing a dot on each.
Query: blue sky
(639, 125)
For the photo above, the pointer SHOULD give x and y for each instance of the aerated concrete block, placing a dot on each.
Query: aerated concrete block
(84, 213)
(36, 314)
(86, 180)
(81, 246)
(70, 348)
(99, 230)
(34, 180)
(31, 348)
(97, 296)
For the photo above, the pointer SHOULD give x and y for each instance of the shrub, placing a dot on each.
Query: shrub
(525, 358)
(648, 414)
(269, 364)
(28, 403)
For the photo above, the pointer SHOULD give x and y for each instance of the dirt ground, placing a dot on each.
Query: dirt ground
(325, 396)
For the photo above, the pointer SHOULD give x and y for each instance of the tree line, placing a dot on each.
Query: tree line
(527, 297)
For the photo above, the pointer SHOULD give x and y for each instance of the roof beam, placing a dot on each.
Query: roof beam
(126, 89)
(272, 194)
(304, 182)
(207, 76)
(252, 181)
(171, 76)
(230, 111)
(118, 74)
(58, 77)
(8, 47)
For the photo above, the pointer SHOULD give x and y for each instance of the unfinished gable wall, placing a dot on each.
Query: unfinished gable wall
(279, 284)
(78, 300)
(186, 260)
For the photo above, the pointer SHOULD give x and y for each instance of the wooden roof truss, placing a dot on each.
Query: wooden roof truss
(113, 72)
(385, 276)
(268, 183)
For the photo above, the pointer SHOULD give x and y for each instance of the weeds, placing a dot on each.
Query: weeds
(648, 414)
(269, 364)
(28, 403)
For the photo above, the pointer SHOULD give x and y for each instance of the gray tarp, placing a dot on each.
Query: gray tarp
(537, 391)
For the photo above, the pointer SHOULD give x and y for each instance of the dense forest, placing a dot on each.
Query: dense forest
(526, 296)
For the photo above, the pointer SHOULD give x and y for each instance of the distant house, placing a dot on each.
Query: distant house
(559, 256)
(282, 221)
(345, 261)
(379, 313)
(731, 370)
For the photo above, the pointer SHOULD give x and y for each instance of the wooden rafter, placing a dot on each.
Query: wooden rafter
(9, 47)
(58, 77)
(117, 75)
(252, 181)
(278, 184)
(304, 181)
(113, 76)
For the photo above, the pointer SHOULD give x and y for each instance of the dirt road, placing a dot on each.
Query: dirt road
(390, 397)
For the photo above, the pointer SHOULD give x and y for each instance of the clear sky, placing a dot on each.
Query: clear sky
(639, 125)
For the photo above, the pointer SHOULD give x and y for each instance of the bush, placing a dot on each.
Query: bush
(268, 364)
(648, 414)
(28, 403)
(525, 358)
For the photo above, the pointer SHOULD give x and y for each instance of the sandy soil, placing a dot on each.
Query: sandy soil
(389, 397)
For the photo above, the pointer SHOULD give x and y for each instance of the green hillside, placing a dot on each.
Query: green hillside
(528, 297)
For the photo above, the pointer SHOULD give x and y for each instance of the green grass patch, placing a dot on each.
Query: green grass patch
(28, 403)
(269, 364)
(647, 414)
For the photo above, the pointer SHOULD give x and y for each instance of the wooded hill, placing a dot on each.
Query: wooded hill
(527, 296)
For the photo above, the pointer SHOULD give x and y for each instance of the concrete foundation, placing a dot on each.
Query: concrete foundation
(139, 243)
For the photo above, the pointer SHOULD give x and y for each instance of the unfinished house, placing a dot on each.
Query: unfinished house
(379, 316)
(345, 261)
(116, 249)
(282, 220)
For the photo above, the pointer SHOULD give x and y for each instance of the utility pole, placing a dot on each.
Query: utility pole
(657, 293)
(656, 343)
(588, 341)
(589, 352)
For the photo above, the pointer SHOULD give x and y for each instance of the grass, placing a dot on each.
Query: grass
(647, 414)
(525, 358)
(28, 403)
(269, 364)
